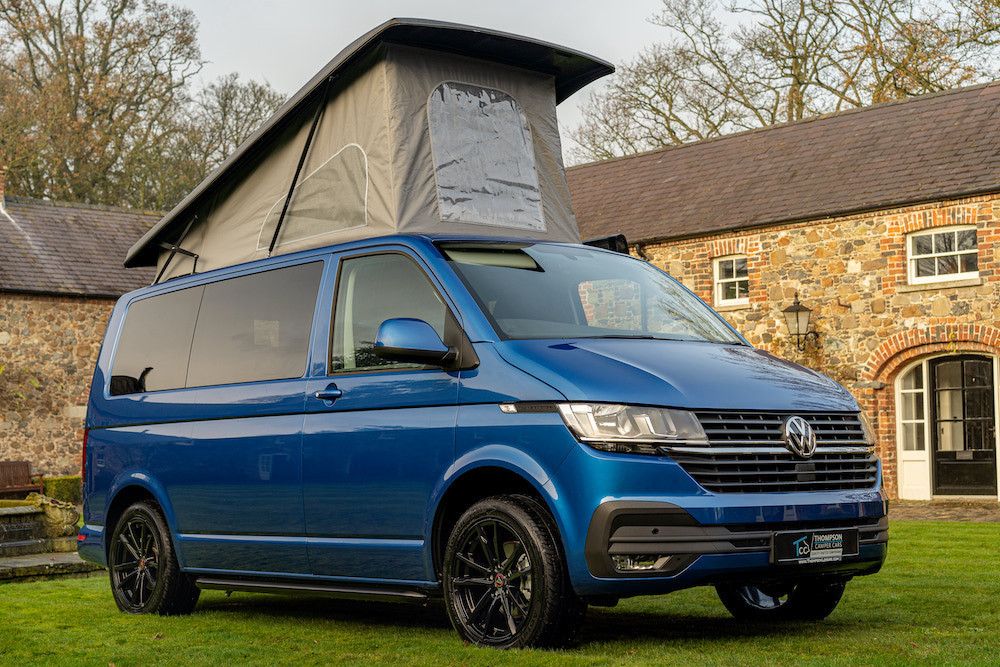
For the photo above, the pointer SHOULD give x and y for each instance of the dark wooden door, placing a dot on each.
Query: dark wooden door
(963, 410)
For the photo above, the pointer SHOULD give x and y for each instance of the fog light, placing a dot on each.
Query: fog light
(640, 562)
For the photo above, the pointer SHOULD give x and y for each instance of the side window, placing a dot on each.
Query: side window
(371, 290)
(255, 327)
(484, 158)
(732, 283)
(155, 342)
(612, 303)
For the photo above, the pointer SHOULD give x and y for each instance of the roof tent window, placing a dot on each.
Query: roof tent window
(332, 198)
(484, 159)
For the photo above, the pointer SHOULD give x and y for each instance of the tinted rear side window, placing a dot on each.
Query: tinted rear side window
(255, 327)
(155, 342)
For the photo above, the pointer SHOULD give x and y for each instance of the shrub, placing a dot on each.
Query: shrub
(66, 488)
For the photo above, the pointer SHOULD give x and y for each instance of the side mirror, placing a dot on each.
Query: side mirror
(409, 340)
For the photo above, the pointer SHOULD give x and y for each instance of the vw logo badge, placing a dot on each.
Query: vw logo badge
(800, 439)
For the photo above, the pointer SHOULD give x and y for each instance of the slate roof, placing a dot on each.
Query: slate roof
(73, 249)
(939, 146)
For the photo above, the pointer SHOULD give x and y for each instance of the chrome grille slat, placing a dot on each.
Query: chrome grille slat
(745, 453)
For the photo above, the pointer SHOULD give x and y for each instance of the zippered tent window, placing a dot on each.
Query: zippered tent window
(331, 198)
(484, 160)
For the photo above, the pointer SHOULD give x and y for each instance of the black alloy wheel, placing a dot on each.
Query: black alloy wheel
(504, 577)
(142, 565)
(492, 582)
(135, 562)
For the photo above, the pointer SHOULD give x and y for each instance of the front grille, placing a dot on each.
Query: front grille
(746, 453)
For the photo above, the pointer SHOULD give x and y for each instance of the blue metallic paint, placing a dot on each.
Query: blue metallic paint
(264, 479)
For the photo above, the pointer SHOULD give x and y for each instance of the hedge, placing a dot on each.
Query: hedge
(66, 488)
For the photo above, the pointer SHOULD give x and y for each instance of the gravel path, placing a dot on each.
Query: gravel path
(977, 511)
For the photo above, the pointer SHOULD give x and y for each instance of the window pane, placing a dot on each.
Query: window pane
(948, 374)
(925, 267)
(949, 404)
(944, 242)
(979, 434)
(912, 406)
(978, 403)
(914, 379)
(741, 267)
(730, 291)
(743, 288)
(951, 436)
(726, 267)
(612, 304)
(922, 245)
(947, 264)
(155, 342)
(967, 239)
(484, 158)
(978, 373)
(255, 327)
(970, 262)
(370, 291)
(913, 437)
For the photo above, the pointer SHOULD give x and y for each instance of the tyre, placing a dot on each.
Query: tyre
(145, 577)
(505, 581)
(809, 600)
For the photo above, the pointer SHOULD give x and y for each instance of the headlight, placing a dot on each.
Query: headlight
(630, 429)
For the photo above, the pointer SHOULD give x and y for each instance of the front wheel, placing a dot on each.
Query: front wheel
(145, 577)
(809, 600)
(505, 584)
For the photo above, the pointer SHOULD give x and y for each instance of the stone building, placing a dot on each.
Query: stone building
(885, 222)
(60, 274)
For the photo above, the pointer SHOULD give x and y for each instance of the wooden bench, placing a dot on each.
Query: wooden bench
(15, 479)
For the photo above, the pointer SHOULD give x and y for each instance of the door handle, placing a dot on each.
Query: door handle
(331, 393)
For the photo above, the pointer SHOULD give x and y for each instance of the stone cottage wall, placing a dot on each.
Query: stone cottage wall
(48, 348)
(851, 272)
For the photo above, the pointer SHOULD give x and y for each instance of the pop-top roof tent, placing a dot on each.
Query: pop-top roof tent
(418, 126)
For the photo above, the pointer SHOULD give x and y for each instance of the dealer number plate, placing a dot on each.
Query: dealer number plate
(814, 546)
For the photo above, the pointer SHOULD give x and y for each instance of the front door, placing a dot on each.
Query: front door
(964, 434)
(373, 455)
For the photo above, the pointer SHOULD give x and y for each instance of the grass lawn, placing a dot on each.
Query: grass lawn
(936, 601)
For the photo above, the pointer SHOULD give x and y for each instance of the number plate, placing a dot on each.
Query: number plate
(814, 546)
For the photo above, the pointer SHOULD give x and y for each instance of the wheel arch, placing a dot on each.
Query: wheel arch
(130, 489)
(498, 473)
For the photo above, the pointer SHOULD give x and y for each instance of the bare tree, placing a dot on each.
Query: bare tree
(96, 102)
(783, 60)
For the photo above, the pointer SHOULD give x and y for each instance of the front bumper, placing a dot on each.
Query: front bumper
(633, 505)
(710, 554)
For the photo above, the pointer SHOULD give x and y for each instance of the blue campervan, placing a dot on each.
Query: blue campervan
(519, 426)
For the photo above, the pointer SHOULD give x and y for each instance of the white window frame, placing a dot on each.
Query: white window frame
(911, 264)
(924, 367)
(718, 281)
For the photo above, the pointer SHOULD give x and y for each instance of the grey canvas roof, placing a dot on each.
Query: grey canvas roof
(940, 146)
(570, 69)
(72, 249)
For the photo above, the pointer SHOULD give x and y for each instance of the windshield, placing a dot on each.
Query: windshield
(554, 291)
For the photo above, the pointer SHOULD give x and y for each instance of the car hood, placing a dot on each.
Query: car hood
(678, 374)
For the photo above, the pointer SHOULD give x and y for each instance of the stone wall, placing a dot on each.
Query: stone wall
(851, 272)
(48, 348)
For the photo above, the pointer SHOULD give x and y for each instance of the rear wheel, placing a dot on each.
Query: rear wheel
(809, 600)
(505, 584)
(145, 577)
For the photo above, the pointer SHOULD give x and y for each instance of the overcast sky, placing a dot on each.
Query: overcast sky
(287, 42)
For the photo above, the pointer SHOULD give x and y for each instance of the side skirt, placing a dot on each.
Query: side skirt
(345, 591)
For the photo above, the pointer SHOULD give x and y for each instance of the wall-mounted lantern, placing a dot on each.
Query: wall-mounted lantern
(797, 318)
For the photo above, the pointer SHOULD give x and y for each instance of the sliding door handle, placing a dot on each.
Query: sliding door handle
(331, 393)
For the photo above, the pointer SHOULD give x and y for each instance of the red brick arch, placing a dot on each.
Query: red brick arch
(895, 354)
(906, 346)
